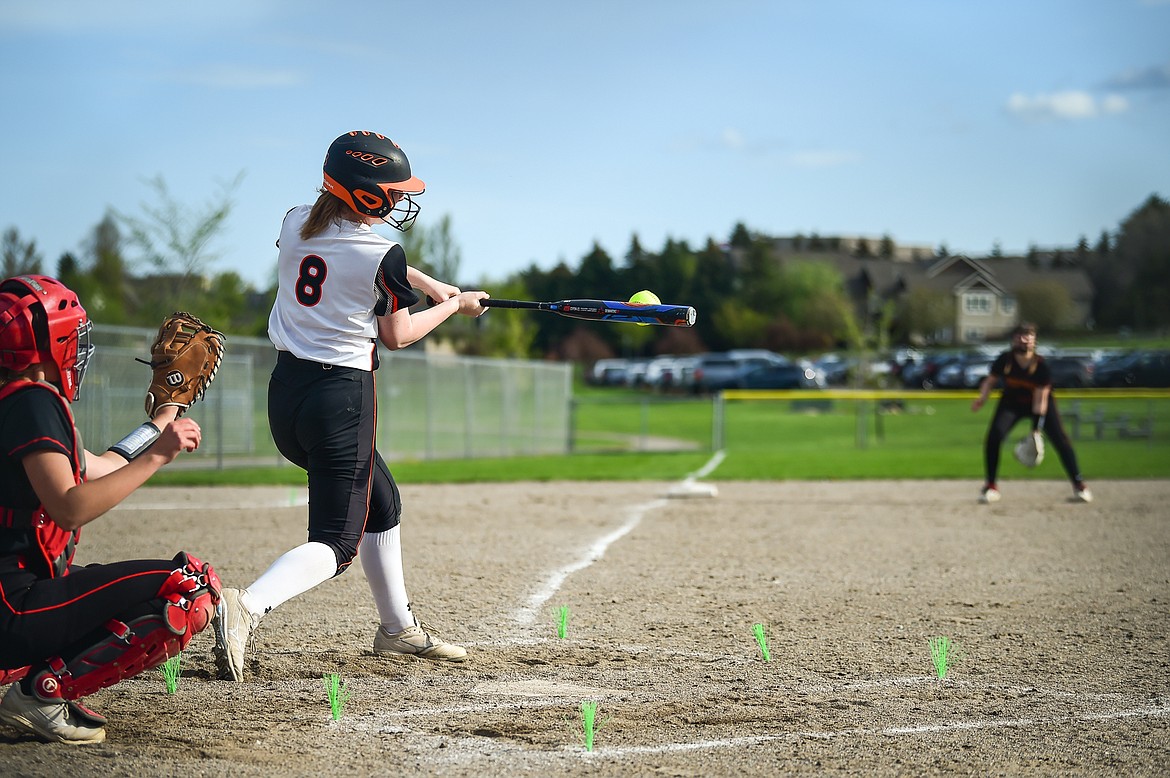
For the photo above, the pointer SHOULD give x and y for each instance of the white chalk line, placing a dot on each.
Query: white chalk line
(554, 700)
(958, 726)
(1141, 711)
(712, 463)
(527, 614)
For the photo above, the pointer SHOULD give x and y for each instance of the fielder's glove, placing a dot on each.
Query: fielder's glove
(1030, 450)
(185, 357)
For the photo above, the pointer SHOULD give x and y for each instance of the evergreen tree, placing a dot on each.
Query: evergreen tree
(19, 257)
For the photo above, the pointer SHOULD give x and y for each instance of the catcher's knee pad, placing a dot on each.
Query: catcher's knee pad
(186, 602)
(190, 594)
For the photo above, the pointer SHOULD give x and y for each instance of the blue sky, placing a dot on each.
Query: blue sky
(541, 127)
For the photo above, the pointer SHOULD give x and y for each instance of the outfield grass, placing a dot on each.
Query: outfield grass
(930, 435)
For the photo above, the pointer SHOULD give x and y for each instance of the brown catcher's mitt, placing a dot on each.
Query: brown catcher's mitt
(185, 357)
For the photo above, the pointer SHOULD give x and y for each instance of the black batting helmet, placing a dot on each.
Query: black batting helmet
(371, 174)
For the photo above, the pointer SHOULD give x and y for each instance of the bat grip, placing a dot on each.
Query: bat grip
(492, 302)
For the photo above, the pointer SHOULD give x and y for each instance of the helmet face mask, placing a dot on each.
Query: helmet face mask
(42, 321)
(371, 174)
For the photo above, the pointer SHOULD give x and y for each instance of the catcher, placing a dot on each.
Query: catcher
(66, 630)
(1027, 394)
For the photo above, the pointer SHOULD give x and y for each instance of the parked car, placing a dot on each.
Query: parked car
(659, 370)
(976, 369)
(1142, 368)
(790, 376)
(923, 374)
(607, 372)
(949, 374)
(944, 370)
(670, 373)
(835, 369)
(636, 371)
(1072, 372)
(723, 370)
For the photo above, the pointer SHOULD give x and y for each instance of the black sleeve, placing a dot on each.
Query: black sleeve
(1042, 376)
(393, 290)
(30, 420)
(1000, 364)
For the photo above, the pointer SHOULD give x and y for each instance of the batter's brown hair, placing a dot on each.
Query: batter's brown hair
(327, 211)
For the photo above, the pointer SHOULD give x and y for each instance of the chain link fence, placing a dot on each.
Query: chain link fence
(430, 406)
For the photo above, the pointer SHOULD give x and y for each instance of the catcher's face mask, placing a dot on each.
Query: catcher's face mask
(84, 353)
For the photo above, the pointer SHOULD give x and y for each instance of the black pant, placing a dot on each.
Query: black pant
(324, 419)
(1006, 417)
(42, 618)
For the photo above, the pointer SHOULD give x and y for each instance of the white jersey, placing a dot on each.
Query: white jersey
(332, 287)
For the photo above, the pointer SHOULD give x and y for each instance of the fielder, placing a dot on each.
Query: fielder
(342, 289)
(1027, 394)
(68, 631)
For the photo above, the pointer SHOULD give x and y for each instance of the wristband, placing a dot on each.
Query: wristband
(1037, 423)
(136, 442)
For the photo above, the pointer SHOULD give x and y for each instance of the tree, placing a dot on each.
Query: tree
(1129, 273)
(174, 240)
(675, 276)
(1045, 302)
(597, 276)
(503, 333)
(1143, 254)
(108, 287)
(1082, 251)
(1102, 247)
(924, 313)
(740, 237)
(19, 257)
(715, 284)
(434, 250)
(886, 247)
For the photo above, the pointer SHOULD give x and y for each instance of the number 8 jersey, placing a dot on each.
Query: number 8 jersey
(332, 287)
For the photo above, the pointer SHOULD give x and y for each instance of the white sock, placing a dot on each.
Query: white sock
(295, 572)
(381, 555)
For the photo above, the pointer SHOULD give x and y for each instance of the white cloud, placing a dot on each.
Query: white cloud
(1069, 104)
(1114, 104)
(732, 139)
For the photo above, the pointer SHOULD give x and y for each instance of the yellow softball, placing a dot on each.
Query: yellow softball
(645, 297)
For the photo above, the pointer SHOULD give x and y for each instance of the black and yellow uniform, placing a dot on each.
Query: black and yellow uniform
(1019, 383)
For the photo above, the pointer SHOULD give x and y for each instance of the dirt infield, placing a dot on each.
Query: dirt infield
(1059, 612)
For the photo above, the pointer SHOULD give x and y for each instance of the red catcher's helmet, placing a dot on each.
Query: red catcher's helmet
(41, 320)
(364, 168)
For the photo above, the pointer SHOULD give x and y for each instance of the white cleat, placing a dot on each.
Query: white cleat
(53, 722)
(233, 627)
(419, 642)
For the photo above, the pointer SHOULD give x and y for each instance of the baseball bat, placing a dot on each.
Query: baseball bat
(606, 310)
